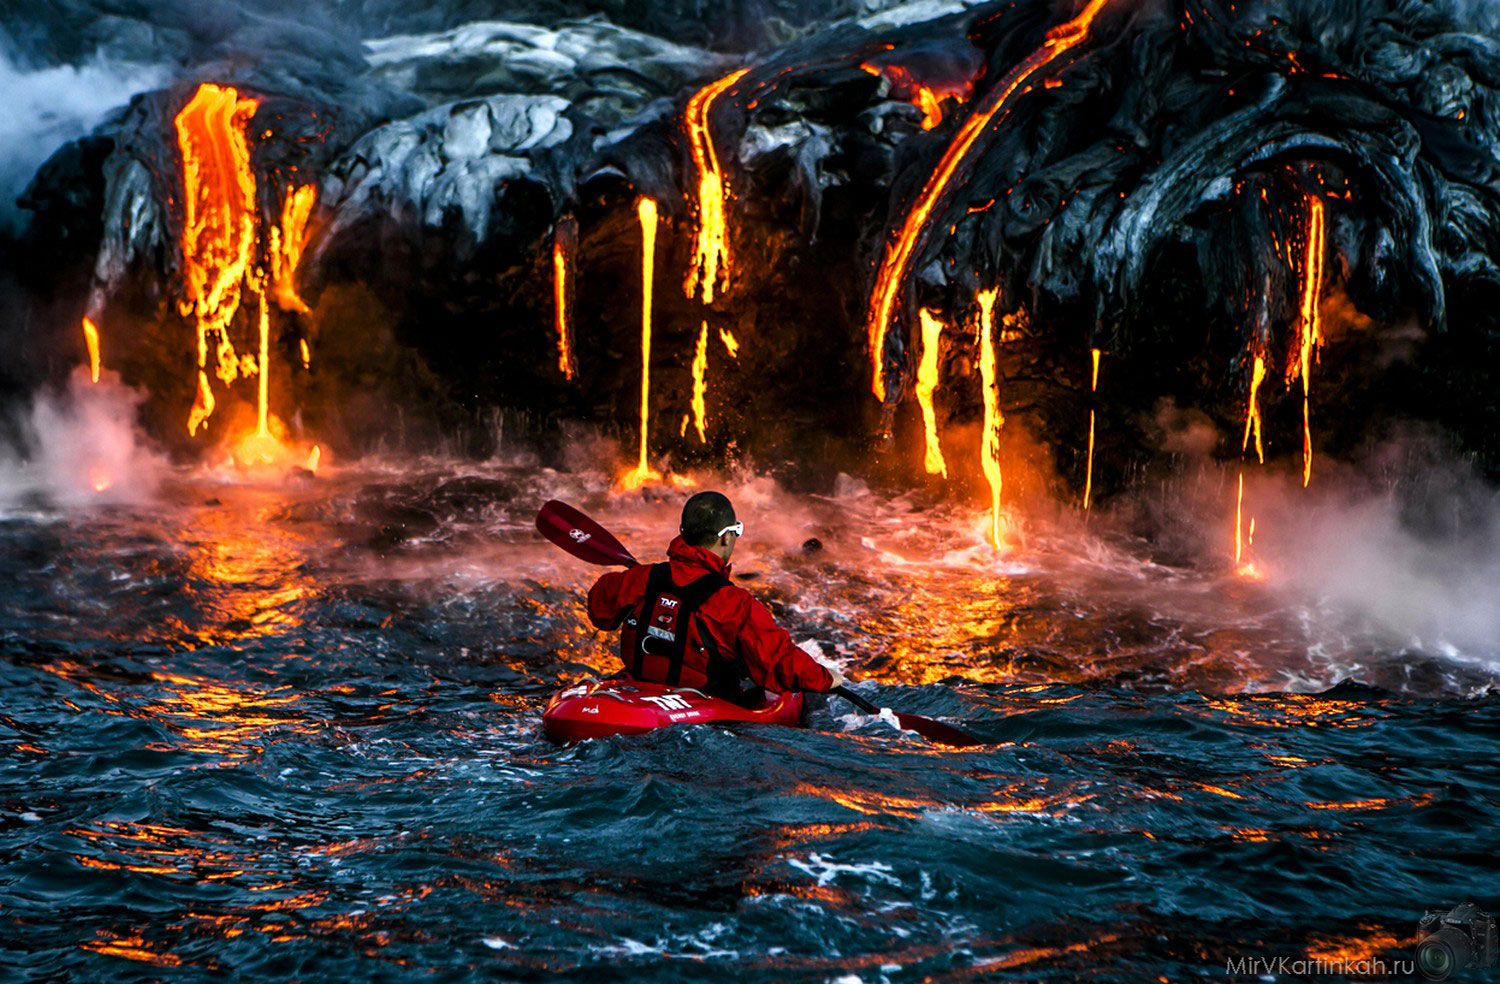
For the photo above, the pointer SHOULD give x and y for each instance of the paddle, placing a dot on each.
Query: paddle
(935, 731)
(581, 536)
(587, 540)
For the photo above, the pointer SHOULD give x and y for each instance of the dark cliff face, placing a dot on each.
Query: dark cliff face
(1148, 190)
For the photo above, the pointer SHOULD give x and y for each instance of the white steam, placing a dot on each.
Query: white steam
(83, 448)
(45, 108)
(1417, 565)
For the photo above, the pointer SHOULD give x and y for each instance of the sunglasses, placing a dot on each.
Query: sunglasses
(738, 529)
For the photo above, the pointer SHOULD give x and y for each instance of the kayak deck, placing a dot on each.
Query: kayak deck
(619, 706)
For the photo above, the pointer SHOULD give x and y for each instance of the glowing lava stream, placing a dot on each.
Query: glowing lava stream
(646, 211)
(710, 262)
(287, 242)
(1252, 410)
(927, 384)
(1088, 480)
(91, 339)
(898, 257)
(564, 240)
(219, 227)
(989, 452)
(700, 385)
(1310, 327)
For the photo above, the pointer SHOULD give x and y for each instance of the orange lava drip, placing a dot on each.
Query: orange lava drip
(700, 385)
(287, 242)
(219, 228)
(91, 339)
(927, 384)
(898, 258)
(731, 344)
(1309, 329)
(646, 211)
(1088, 479)
(560, 312)
(710, 263)
(1252, 410)
(989, 452)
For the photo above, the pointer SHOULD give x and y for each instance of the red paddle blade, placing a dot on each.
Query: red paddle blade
(581, 536)
(936, 731)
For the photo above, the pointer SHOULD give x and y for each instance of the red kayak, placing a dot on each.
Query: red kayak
(617, 706)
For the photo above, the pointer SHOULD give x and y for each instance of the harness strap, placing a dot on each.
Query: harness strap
(690, 598)
(693, 596)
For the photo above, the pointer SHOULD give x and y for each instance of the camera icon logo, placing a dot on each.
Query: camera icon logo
(1455, 940)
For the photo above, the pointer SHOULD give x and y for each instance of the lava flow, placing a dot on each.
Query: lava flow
(564, 242)
(1309, 327)
(219, 227)
(989, 452)
(91, 339)
(700, 384)
(1252, 410)
(899, 256)
(710, 263)
(1088, 479)
(287, 242)
(646, 211)
(927, 383)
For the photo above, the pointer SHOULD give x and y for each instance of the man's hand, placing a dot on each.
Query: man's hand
(838, 678)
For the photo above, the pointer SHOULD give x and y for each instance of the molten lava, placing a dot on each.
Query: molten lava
(220, 222)
(1309, 328)
(564, 242)
(700, 384)
(646, 212)
(927, 384)
(287, 242)
(91, 339)
(1252, 410)
(910, 239)
(731, 345)
(926, 96)
(710, 263)
(989, 451)
(1088, 480)
(203, 404)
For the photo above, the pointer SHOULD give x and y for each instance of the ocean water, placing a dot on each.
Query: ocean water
(288, 729)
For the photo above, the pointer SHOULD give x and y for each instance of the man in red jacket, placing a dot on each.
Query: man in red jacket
(683, 624)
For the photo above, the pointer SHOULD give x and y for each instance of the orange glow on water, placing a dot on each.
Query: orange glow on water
(1088, 480)
(1309, 328)
(287, 242)
(899, 256)
(711, 258)
(927, 384)
(989, 451)
(219, 229)
(91, 339)
(1252, 410)
(646, 212)
(700, 384)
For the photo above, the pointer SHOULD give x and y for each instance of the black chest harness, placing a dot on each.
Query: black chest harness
(655, 635)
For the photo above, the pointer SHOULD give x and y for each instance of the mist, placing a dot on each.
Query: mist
(48, 107)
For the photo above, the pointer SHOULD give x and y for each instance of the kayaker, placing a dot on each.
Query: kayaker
(684, 624)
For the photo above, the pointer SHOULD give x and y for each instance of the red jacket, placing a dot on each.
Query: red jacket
(743, 629)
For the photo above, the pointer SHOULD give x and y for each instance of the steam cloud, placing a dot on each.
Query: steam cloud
(48, 107)
(82, 447)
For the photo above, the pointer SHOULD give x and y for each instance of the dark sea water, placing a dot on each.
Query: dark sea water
(289, 731)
